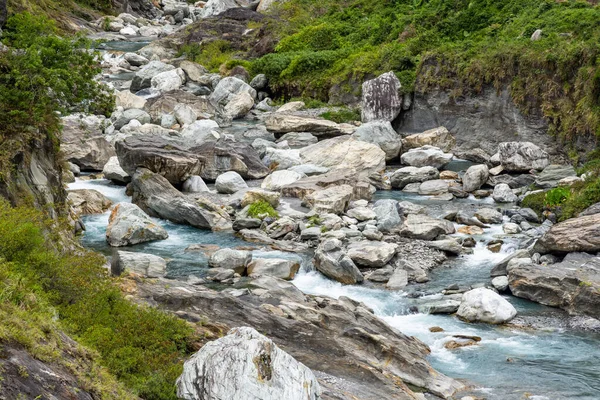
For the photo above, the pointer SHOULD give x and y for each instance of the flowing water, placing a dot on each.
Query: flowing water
(551, 362)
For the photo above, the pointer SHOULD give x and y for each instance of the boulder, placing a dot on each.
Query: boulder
(284, 123)
(147, 265)
(418, 226)
(168, 80)
(485, 305)
(113, 171)
(371, 254)
(212, 8)
(128, 100)
(381, 134)
(259, 82)
(201, 131)
(403, 176)
(194, 184)
(398, 280)
(522, 156)
(143, 78)
(239, 105)
(83, 142)
(155, 195)
(193, 71)
(361, 213)
(88, 201)
(245, 365)
(500, 283)
(334, 199)
(184, 114)
(389, 219)
(160, 155)
(475, 177)
(166, 103)
(254, 195)
(276, 267)
(128, 225)
(280, 158)
(281, 227)
(573, 284)
(573, 235)
(345, 153)
(227, 89)
(331, 260)
(426, 156)
(236, 260)
(135, 60)
(503, 194)
(553, 174)
(278, 179)
(434, 187)
(381, 98)
(291, 107)
(297, 140)
(121, 119)
(438, 137)
(227, 155)
(230, 182)
(489, 216)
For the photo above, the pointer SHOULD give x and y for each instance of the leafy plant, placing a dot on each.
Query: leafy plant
(557, 196)
(261, 209)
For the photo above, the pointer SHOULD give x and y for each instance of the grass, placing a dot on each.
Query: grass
(342, 115)
(262, 209)
(42, 291)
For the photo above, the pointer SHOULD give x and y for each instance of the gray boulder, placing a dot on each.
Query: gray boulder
(285, 123)
(522, 156)
(381, 99)
(332, 261)
(573, 235)
(147, 265)
(389, 219)
(230, 182)
(489, 216)
(227, 90)
(120, 119)
(475, 177)
(381, 134)
(418, 226)
(438, 137)
(426, 156)
(552, 174)
(406, 175)
(297, 140)
(371, 254)
(278, 179)
(503, 194)
(485, 305)
(168, 80)
(434, 187)
(194, 184)
(129, 225)
(88, 201)
(236, 260)
(276, 267)
(113, 171)
(83, 142)
(143, 78)
(245, 365)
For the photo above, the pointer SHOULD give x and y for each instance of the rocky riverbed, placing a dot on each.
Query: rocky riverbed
(369, 255)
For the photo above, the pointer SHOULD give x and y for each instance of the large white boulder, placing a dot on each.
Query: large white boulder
(128, 224)
(522, 156)
(168, 80)
(426, 156)
(381, 134)
(230, 182)
(245, 365)
(279, 179)
(485, 305)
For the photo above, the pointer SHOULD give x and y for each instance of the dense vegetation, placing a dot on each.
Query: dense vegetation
(141, 346)
(459, 45)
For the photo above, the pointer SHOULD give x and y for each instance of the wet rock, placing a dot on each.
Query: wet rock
(426, 156)
(371, 254)
(485, 305)
(522, 156)
(388, 218)
(129, 225)
(276, 267)
(500, 283)
(88, 201)
(284, 123)
(406, 175)
(160, 155)
(398, 280)
(503, 194)
(418, 226)
(381, 134)
(573, 235)
(381, 99)
(331, 260)
(438, 137)
(433, 187)
(246, 364)
(489, 215)
(230, 182)
(237, 260)
(155, 195)
(475, 177)
(147, 265)
(113, 171)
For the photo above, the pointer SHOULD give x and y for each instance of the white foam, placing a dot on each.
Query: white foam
(115, 193)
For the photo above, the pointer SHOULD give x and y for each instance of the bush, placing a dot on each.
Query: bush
(261, 209)
(342, 115)
(141, 346)
(557, 196)
(535, 201)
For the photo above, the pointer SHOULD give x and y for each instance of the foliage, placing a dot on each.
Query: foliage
(535, 201)
(141, 346)
(261, 209)
(584, 195)
(557, 196)
(342, 115)
(41, 76)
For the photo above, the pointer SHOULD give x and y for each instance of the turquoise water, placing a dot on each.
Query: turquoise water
(550, 363)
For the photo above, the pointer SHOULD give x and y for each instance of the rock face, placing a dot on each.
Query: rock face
(147, 265)
(475, 177)
(83, 142)
(155, 195)
(128, 225)
(485, 305)
(381, 99)
(426, 156)
(552, 174)
(245, 365)
(345, 153)
(226, 155)
(383, 135)
(160, 155)
(285, 123)
(573, 284)
(438, 137)
(332, 261)
(575, 234)
(522, 156)
(403, 176)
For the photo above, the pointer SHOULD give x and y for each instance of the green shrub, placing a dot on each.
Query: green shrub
(557, 196)
(584, 195)
(342, 115)
(261, 209)
(535, 201)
